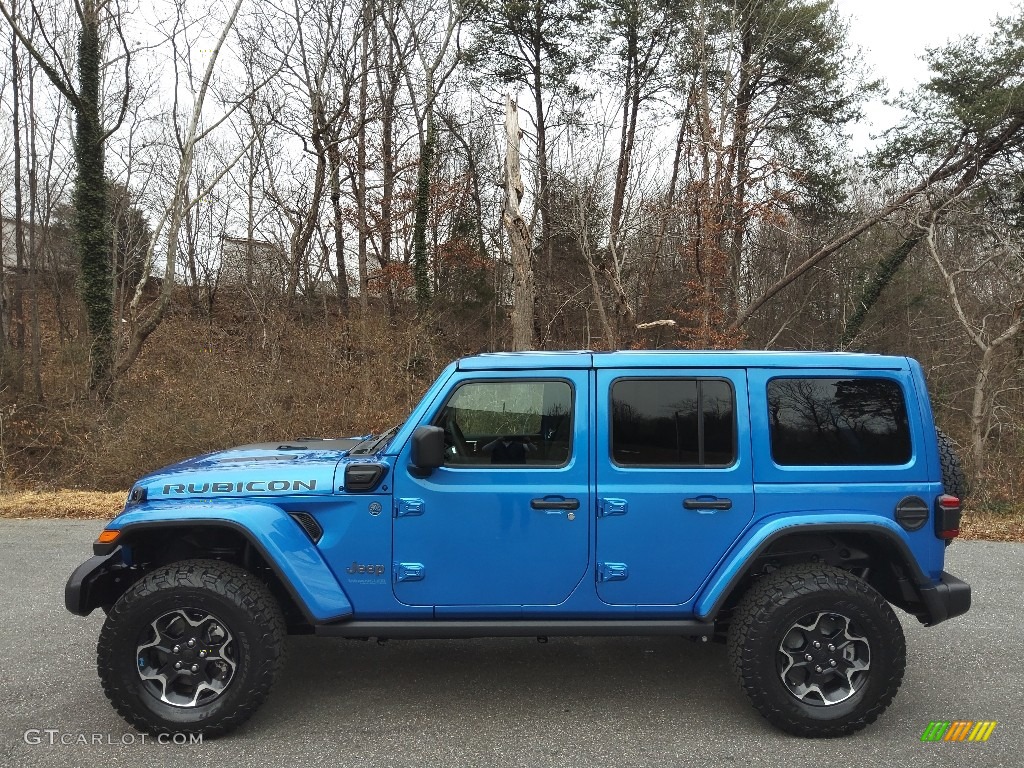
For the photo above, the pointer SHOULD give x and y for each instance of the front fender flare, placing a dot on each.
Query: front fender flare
(278, 539)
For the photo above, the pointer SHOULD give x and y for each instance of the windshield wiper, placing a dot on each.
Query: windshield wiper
(375, 441)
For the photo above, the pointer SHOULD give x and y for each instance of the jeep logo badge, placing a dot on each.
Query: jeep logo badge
(372, 570)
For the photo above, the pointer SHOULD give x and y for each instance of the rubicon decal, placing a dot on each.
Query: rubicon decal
(958, 730)
(255, 486)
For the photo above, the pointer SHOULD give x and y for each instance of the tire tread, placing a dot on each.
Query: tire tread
(229, 580)
(776, 591)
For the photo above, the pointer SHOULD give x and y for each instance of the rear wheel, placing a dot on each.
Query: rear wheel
(817, 651)
(193, 647)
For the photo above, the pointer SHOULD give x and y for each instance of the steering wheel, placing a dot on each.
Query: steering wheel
(455, 433)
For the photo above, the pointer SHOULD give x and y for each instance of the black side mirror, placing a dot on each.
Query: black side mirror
(427, 450)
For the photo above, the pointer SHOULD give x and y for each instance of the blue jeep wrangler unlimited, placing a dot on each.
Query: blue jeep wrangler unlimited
(780, 501)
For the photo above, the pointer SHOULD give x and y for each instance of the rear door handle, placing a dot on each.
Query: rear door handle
(707, 502)
(555, 503)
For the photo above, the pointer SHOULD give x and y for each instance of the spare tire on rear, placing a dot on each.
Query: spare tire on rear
(954, 482)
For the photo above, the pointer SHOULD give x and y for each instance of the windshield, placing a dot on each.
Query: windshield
(375, 443)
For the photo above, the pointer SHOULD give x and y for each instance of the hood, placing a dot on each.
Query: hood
(291, 467)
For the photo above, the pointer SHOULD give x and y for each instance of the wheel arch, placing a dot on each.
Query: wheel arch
(288, 562)
(873, 552)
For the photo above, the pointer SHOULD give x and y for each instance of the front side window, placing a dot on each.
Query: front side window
(833, 422)
(508, 423)
(673, 422)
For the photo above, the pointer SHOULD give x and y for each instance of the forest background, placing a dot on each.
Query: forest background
(233, 222)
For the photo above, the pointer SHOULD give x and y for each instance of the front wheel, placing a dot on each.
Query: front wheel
(817, 651)
(192, 647)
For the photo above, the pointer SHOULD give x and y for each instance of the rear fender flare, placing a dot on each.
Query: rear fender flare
(734, 568)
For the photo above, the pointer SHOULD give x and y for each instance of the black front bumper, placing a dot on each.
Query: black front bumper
(95, 583)
(950, 597)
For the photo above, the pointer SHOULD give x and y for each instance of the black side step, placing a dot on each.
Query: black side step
(444, 630)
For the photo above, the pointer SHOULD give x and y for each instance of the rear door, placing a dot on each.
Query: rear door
(674, 480)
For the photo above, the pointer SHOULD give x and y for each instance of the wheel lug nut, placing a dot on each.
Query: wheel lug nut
(191, 643)
(817, 644)
(831, 647)
(177, 665)
(808, 657)
(832, 662)
(202, 654)
(176, 649)
(195, 667)
(817, 669)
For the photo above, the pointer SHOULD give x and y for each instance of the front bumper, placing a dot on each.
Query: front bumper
(950, 597)
(96, 582)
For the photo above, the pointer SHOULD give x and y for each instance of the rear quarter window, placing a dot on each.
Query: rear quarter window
(857, 421)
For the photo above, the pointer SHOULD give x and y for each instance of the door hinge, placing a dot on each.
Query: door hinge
(409, 507)
(409, 572)
(612, 571)
(609, 507)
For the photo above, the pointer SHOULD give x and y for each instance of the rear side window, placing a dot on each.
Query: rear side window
(673, 422)
(831, 422)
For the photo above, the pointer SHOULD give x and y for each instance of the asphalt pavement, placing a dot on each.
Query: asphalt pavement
(515, 702)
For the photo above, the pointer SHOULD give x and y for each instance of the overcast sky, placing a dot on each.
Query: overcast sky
(893, 34)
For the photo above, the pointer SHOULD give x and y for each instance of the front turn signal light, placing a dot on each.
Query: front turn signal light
(107, 536)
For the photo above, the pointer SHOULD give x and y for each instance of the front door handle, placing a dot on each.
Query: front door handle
(707, 502)
(555, 503)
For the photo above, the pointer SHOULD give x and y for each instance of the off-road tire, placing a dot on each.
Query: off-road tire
(240, 600)
(770, 608)
(954, 481)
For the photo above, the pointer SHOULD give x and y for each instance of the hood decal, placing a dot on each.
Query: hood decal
(253, 486)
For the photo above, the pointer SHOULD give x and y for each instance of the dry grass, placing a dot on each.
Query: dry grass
(991, 527)
(100, 505)
(81, 505)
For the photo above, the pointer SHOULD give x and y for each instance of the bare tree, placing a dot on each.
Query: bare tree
(984, 282)
(168, 230)
(518, 236)
(91, 135)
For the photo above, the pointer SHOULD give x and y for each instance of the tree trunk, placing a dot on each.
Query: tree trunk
(92, 228)
(17, 300)
(3, 305)
(735, 224)
(334, 157)
(250, 218)
(543, 174)
(630, 107)
(360, 176)
(34, 249)
(980, 410)
(518, 236)
(420, 261)
(387, 193)
(885, 270)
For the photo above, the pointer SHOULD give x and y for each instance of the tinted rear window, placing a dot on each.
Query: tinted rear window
(673, 422)
(860, 421)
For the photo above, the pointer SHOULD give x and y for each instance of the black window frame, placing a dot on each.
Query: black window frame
(570, 455)
(869, 376)
(700, 423)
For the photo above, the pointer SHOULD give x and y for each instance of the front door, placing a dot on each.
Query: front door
(505, 522)
(674, 480)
